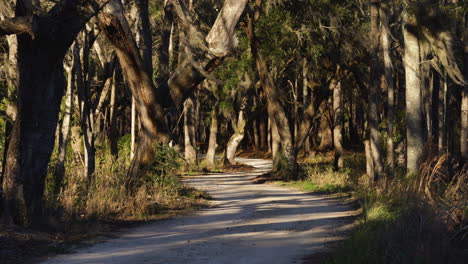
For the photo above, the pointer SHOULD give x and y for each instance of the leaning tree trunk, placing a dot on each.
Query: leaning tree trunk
(276, 111)
(236, 139)
(220, 43)
(374, 91)
(414, 120)
(211, 153)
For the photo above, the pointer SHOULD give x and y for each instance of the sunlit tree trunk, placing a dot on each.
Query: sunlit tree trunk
(374, 90)
(337, 126)
(59, 171)
(189, 129)
(388, 69)
(414, 120)
(236, 138)
(212, 144)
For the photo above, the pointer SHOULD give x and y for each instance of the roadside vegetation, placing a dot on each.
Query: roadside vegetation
(421, 219)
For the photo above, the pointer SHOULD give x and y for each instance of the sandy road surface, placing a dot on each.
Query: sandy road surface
(249, 224)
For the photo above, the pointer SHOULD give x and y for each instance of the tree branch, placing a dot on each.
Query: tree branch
(18, 26)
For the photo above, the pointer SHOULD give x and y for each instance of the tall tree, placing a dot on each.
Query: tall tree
(464, 106)
(374, 89)
(414, 119)
(43, 40)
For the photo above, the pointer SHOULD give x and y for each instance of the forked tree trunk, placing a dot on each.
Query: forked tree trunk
(374, 90)
(40, 89)
(414, 120)
(236, 138)
(221, 42)
(212, 145)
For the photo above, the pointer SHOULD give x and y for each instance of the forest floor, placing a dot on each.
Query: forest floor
(247, 223)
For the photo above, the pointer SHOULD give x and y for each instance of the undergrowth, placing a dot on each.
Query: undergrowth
(418, 219)
(105, 197)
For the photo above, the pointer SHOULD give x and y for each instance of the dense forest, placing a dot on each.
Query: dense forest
(103, 103)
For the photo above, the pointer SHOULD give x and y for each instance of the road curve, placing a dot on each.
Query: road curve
(249, 223)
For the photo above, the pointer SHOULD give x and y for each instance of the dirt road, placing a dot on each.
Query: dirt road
(249, 224)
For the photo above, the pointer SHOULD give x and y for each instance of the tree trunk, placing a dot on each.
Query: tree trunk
(275, 141)
(40, 89)
(337, 126)
(374, 90)
(212, 145)
(166, 32)
(305, 101)
(236, 139)
(189, 125)
(275, 109)
(369, 163)
(388, 69)
(414, 120)
(326, 137)
(263, 134)
(84, 105)
(133, 117)
(181, 82)
(464, 106)
(59, 171)
(147, 43)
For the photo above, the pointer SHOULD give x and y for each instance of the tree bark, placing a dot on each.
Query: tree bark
(147, 43)
(40, 89)
(189, 129)
(388, 69)
(212, 145)
(374, 90)
(326, 136)
(275, 141)
(236, 139)
(369, 163)
(275, 109)
(442, 139)
(59, 171)
(464, 106)
(414, 125)
(337, 126)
